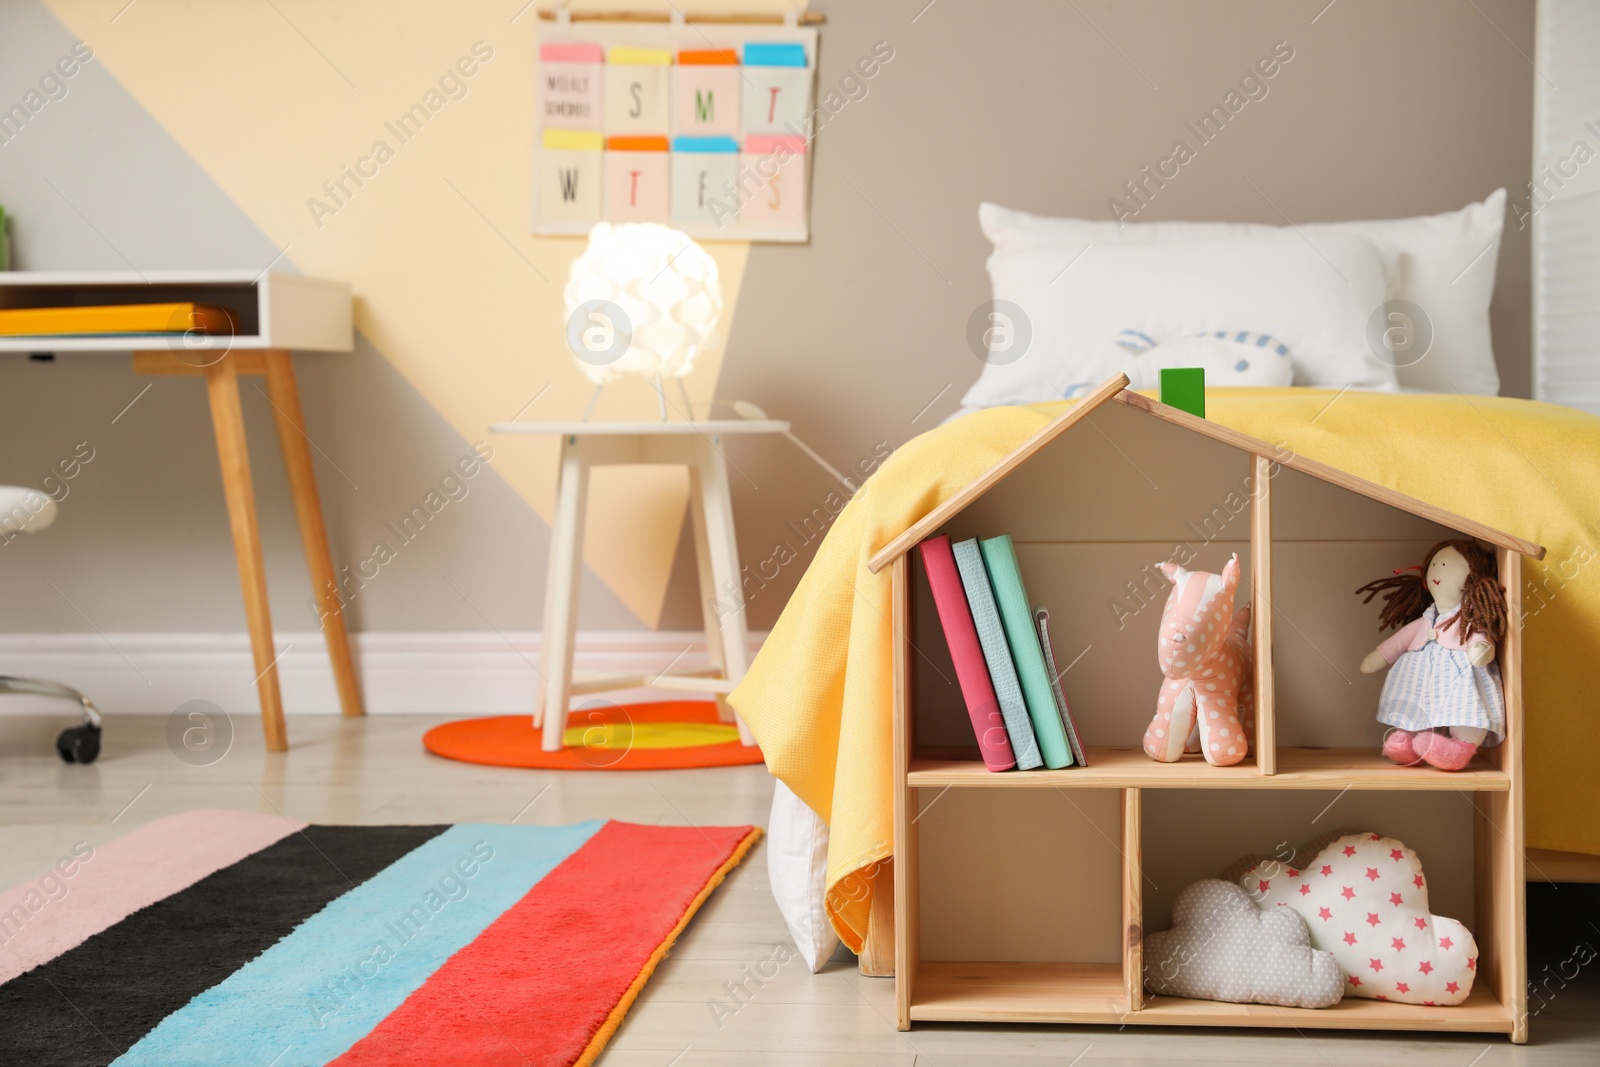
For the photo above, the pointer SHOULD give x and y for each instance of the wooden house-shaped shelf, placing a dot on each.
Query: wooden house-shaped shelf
(1023, 896)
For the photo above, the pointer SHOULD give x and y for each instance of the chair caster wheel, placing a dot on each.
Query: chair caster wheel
(79, 744)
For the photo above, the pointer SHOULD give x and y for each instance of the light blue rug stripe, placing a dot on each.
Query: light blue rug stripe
(312, 995)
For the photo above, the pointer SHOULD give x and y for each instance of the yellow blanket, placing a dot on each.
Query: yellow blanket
(818, 695)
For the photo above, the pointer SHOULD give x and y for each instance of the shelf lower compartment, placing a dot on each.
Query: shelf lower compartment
(1298, 768)
(1093, 993)
(1019, 992)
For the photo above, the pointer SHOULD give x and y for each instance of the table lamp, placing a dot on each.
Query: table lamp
(642, 299)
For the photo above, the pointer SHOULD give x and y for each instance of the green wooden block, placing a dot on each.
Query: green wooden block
(1184, 388)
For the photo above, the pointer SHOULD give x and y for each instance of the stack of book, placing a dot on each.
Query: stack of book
(117, 319)
(1003, 659)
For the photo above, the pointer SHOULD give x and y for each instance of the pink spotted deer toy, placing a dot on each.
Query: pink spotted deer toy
(1206, 703)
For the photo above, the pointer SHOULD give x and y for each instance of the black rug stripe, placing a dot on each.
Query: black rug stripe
(90, 1004)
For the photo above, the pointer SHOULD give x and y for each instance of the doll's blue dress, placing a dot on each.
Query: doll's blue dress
(1434, 686)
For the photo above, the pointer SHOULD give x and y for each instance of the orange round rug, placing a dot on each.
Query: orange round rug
(669, 735)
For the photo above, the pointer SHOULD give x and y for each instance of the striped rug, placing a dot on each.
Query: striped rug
(215, 938)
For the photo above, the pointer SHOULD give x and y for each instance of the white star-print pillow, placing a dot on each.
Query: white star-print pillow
(1364, 899)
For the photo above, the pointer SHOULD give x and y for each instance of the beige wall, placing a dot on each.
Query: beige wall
(858, 337)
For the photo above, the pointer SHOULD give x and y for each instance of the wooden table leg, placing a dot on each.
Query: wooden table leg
(227, 417)
(561, 592)
(716, 502)
(285, 397)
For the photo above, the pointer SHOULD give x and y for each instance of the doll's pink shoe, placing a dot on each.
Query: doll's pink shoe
(1398, 748)
(1443, 751)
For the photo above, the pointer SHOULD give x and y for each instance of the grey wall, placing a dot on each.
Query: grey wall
(1386, 110)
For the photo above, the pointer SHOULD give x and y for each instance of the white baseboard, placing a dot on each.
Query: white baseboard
(401, 673)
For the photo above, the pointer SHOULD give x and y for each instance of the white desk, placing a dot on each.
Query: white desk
(275, 314)
(698, 446)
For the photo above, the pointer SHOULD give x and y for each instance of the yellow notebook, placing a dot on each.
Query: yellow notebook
(115, 318)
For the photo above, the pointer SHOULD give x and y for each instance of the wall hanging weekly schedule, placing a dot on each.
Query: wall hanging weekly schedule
(705, 128)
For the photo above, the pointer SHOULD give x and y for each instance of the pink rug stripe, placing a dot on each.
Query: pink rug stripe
(91, 889)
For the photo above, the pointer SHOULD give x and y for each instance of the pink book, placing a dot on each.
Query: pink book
(972, 673)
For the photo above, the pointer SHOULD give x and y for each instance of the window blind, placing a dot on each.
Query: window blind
(1562, 204)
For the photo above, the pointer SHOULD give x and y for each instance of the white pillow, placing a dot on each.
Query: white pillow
(1446, 268)
(797, 867)
(1445, 264)
(1065, 307)
(1256, 360)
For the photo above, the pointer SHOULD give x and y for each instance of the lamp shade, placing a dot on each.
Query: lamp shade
(642, 299)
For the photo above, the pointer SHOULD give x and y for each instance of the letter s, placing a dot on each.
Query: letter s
(483, 51)
(1284, 51)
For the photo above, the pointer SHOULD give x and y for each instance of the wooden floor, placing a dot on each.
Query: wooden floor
(694, 1010)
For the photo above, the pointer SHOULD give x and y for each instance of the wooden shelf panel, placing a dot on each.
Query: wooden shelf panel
(1093, 993)
(1298, 768)
(1481, 1013)
(1019, 993)
(1365, 768)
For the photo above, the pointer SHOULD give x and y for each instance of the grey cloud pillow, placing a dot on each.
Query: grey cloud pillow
(1223, 947)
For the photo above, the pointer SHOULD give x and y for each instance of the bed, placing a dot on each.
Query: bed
(1385, 370)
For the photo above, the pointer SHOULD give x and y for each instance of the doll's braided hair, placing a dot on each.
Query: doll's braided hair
(1483, 598)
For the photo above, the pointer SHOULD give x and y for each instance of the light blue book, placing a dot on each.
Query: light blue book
(997, 654)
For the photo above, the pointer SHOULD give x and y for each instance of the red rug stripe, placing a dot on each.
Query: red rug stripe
(548, 981)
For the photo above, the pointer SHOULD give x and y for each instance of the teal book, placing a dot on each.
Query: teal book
(1016, 617)
(996, 653)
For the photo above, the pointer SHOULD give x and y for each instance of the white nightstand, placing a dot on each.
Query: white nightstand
(698, 446)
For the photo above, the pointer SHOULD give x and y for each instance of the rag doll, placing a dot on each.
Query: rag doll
(1443, 698)
(1207, 703)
